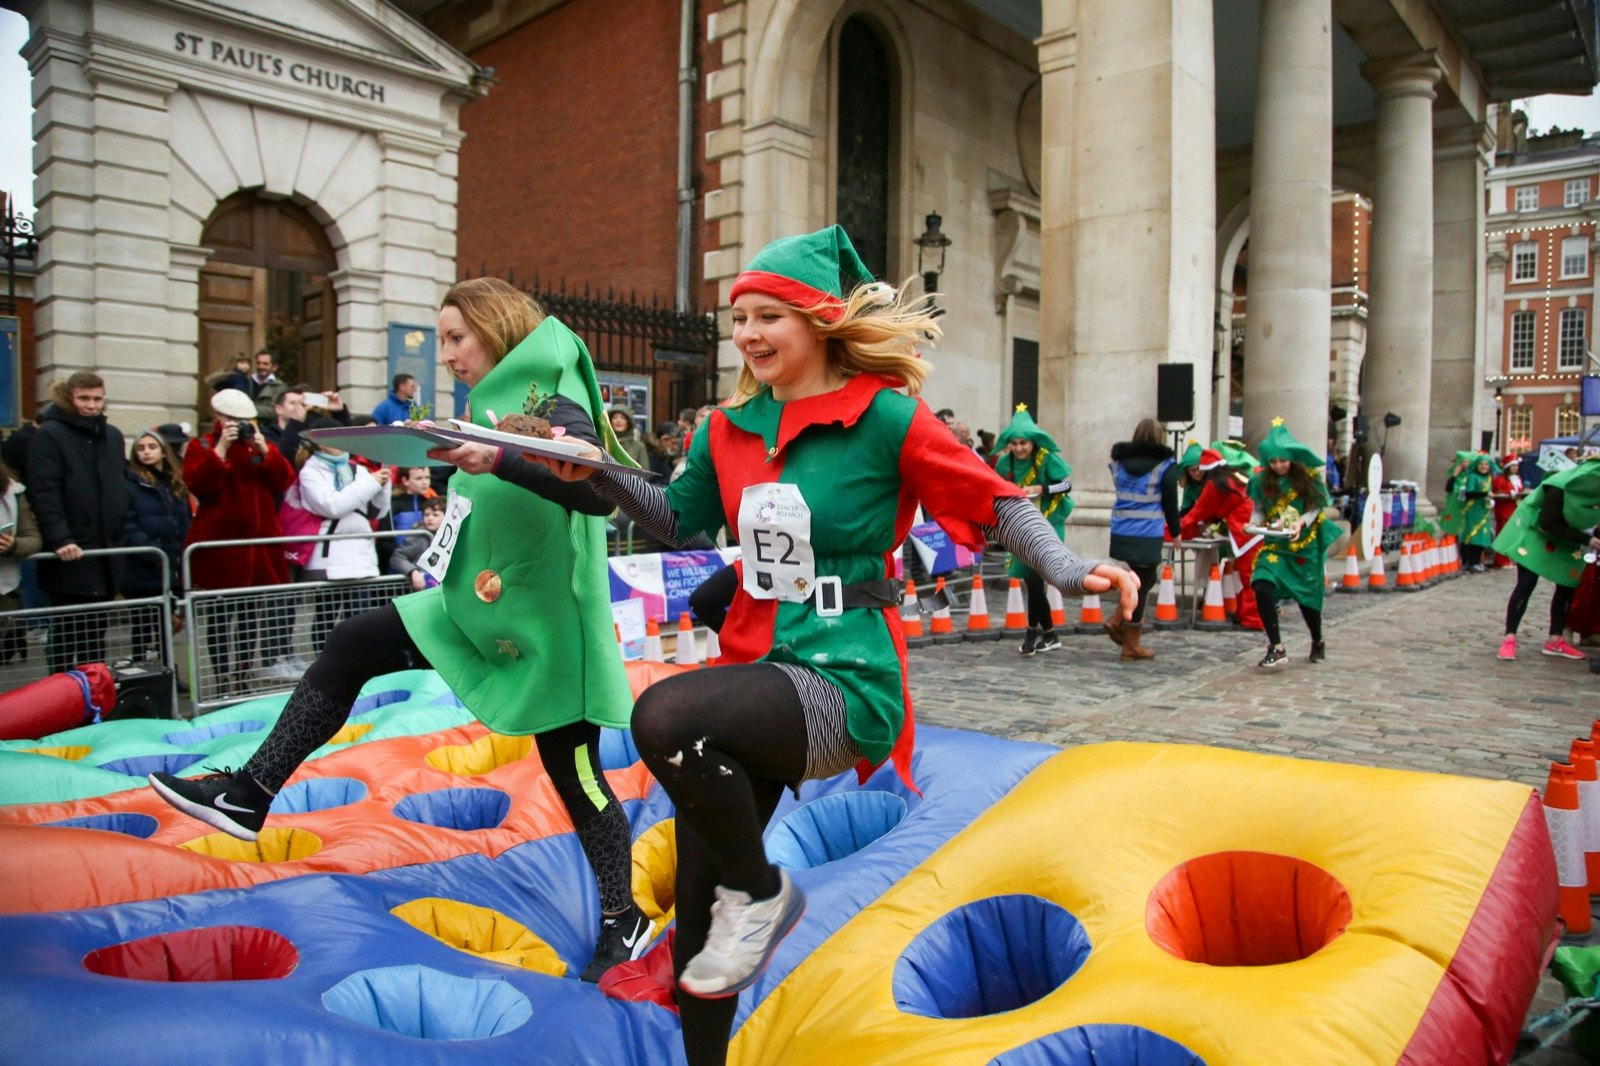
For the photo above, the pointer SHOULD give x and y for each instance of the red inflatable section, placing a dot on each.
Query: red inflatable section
(57, 703)
(220, 953)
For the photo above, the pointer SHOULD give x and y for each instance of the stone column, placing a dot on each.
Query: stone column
(1399, 365)
(1222, 370)
(1458, 411)
(1291, 223)
(1129, 196)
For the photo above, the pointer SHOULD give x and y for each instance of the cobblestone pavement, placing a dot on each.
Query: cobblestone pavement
(1411, 682)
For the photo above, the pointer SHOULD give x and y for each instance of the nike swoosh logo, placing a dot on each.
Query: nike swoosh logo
(757, 931)
(222, 801)
(638, 931)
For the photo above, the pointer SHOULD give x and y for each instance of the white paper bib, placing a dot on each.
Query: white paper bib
(436, 558)
(775, 543)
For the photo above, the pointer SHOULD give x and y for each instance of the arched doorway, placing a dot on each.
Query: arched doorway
(266, 286)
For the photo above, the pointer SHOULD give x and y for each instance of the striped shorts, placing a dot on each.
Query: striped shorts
(829, 749)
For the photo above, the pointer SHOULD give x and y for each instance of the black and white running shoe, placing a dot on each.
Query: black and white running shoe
(229, 800)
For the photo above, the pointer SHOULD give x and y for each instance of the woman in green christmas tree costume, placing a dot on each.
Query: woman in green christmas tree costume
(1549, 534)
(520, 625)
(1477, 511)
(818, 461)
(1029, 458)
(1290, 566)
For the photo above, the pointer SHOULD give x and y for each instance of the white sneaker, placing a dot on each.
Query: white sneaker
(741, 940)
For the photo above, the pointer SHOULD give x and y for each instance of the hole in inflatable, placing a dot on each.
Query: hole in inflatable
(220, 953)
(212, 732)
(71, 753)
(992, 955)
(481, 931)
(319, 794)
(616, 749)
(426, 1004)
(1091, 1045)
(125, 822)
(1246, 908)
(175, 762)
(482, 755)
(655, 869)
(275, 844)
(373, 700)
(833, 827)
(456, 808)
(350, 732)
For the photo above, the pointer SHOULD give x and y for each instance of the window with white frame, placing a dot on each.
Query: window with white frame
(1525, 262)
(1569, 421)
(1519, 423)
(1575, 257)
(1573, 339)
(1527, 198)
(1575, 192)
(1522, 340)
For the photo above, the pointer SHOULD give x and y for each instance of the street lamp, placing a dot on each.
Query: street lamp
(930, 254)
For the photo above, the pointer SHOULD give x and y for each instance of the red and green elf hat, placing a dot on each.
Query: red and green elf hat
(1280, 444)
(813, 270)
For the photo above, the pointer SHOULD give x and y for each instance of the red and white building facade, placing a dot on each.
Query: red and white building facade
(1539, 227)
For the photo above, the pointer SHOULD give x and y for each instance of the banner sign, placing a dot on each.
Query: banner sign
(939, 554)
(629, 617)
(662, 582)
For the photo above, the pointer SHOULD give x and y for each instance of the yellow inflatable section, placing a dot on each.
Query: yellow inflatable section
(1246, 908)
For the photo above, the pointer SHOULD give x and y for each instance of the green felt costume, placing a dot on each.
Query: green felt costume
(1294, 567)
(1044, 468)
(543, 653)
(1477, 512)
(1190, 488)
(1524, 543)
(1454, 505)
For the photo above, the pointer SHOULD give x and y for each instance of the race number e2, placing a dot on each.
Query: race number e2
(436, 557)
(775, 535)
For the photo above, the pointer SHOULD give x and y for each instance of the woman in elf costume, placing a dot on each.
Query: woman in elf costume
(817, 461)
(1504, 492)
(1293, 567)
(1191, 479)
(520, 625)
(1549, 534)
(1027, 457)
(1477, 512)
(1225, 501)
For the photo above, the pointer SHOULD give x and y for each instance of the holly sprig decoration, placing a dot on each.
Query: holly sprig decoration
(420, 412)
(539, 403)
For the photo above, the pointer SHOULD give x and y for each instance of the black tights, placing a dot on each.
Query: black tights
(1267, 603)
(1560, 601)
(1147, 579)
(723, 743)
(1472, 554)
(1038, 603)
(366, 645)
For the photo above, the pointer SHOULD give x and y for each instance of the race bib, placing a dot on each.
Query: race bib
(436, 557)
(775, 543)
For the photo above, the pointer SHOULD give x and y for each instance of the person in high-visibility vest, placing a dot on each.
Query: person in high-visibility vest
(1145, 513)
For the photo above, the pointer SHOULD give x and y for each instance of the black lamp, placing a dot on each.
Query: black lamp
(930, 252)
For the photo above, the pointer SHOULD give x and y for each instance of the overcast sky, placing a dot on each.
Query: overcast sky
(16, 138)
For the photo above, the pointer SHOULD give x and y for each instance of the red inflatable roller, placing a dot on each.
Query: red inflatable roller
(60, 701)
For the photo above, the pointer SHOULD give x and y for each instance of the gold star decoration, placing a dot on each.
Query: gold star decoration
(1278, 421)
(1021, 407)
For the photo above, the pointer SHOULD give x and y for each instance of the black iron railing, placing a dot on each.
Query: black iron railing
(20, 248)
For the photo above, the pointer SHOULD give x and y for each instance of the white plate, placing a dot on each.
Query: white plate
(1276, 534)
(555, 448)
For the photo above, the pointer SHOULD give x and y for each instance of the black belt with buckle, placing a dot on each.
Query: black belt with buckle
(833, 597)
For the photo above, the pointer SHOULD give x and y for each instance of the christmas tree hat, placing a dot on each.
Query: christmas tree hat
(1023, 427)
(1279, 443)
(813, 271)
(1190, 456)
(1236, 455)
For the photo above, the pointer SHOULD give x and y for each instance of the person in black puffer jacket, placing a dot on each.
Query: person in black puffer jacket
(157, 517)
(1145, 475)
(79, 495)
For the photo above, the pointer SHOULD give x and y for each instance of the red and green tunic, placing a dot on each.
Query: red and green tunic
(863, 457)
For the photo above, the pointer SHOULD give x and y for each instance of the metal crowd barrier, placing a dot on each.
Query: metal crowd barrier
(254, 641)
(36, 642)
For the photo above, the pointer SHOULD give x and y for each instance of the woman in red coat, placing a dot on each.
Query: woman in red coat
(1223, 499)
(235, 476)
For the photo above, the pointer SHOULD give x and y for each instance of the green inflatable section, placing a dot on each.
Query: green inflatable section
(96, 760)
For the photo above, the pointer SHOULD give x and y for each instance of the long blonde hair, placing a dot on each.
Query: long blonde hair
(499, 314)
(878, 333)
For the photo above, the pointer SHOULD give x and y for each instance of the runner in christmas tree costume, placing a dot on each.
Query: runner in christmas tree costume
(817, 463)
(1029, 458)
(520, 627)
(1293, 567)
(1477, 512)
(1548, 535)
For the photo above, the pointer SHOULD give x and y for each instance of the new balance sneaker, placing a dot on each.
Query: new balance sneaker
(743, 935)
(1558, 646)
(1319, 652)
(229, 800)
(1048, 641)
(1275, 655)
(1030, 642)
(1508, 648)
(623, 938)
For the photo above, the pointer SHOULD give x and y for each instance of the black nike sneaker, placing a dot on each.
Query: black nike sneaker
(1048, 641)
(228, 800)
(622, 939)
(1275, 655)
(1319, 652)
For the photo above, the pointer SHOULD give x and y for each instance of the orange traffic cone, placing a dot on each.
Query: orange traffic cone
(1352, 571)
(911, 618)
(652, 642)
(713, 648)
(1430, 560)
(1167, 601)
(1231, 586)
(1377, 580)
(1406, 574)
(1582, 759)
(978, 627)
(1091, 619)
(622, 649)
(1565, 822)
(687, 653)
(1016, 612)
(942, 626)
(1213, 615)
(1058, 610)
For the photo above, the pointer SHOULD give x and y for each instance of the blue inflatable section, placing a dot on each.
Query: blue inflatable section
(833, 827)
(319, 794)
(212, 732)
(167, 762)
(428, 1004)
(456, 808)
(127, 823)
(1101, 1045)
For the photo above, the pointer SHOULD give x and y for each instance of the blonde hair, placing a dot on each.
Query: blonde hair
(878, 333)
(499, 314)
